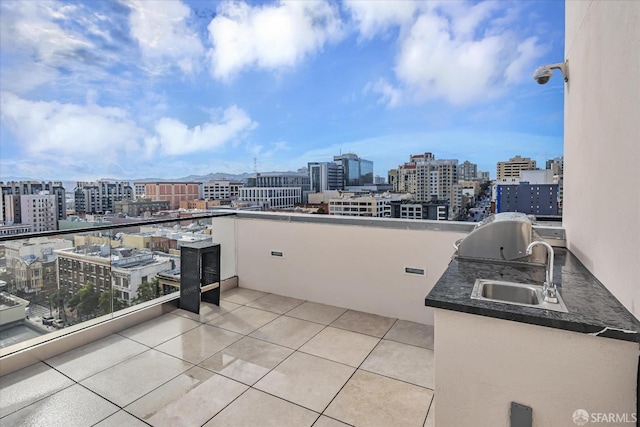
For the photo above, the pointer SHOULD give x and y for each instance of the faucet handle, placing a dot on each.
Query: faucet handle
(550, 293)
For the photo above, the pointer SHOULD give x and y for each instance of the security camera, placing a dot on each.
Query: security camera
(544, 73)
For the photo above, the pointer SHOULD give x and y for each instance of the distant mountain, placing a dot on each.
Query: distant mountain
(6, 179)
(215, 176)
(69, 186)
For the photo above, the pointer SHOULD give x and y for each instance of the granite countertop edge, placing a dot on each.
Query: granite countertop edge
(593, 310)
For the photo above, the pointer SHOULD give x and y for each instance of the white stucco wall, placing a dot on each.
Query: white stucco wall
(483, 364)
(602, 143)
(224, 233)
(356, 267)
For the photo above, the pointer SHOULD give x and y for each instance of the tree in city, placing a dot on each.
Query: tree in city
(86, 300)
(109, 300)
(484, 187)
(59, 299)
(147, 291)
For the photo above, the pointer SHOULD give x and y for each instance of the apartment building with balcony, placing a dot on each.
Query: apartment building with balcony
(338, 337)
(404, 179)
(11, 192)
(467, 171)
(100, 197)
(38, 210)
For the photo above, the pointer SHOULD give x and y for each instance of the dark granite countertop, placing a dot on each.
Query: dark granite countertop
(592, 308)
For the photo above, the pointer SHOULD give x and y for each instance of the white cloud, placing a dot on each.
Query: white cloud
(373, 17)
(162, 31)
(269, 36)
(172, 137)
(30, 26)
(68, 129)
(59, 46)
(526, 52)
(388, 94)
(435, 63)
(92, 137)
(454, 51)
(22, 78)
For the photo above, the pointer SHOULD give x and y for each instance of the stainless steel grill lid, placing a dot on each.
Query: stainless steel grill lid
(503, 236)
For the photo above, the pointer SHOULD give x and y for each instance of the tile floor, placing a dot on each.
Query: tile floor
(256, 360)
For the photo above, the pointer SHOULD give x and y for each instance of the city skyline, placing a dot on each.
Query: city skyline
(133, 90)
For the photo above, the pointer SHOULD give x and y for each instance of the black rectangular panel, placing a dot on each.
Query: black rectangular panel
(190, 279)
(211, 273)
(521, 415)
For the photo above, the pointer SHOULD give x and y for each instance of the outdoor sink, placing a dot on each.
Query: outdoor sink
(514, 293)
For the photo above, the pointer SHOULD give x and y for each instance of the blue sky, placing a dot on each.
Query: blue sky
(135, 89)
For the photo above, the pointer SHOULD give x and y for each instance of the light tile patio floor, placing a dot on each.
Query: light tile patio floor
(256, 360)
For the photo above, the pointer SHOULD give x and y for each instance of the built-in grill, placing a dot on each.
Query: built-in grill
(504, 237)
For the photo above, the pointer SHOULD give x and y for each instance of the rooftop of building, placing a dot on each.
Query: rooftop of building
(257, 358)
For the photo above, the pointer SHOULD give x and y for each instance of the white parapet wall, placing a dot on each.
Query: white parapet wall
(12, 308)
(224, 233)
(359, 264)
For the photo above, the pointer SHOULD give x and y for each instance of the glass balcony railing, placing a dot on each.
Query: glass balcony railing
(52, 281)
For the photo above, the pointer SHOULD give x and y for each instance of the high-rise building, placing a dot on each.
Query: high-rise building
(346, 170)
(429, 179)
(512, 167)
(325, 176)
(11, 192)
(435, 179)
(355, 171)
(173, 192)
(467, 171)
(404, 178)
(100, 197)
(39, 210)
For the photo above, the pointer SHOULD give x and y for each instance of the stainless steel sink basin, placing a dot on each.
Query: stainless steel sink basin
(514, 293)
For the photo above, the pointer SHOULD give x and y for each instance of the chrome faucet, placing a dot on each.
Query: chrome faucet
(549, 290)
